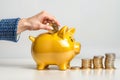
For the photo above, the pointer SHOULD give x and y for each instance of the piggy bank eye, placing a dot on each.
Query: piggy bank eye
(71, 39)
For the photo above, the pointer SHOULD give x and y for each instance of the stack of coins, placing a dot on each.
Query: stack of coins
(98, 62)
(86, 64)
(109, 61)
(55, 28)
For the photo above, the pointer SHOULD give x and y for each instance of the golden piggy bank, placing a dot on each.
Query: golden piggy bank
(55, 48)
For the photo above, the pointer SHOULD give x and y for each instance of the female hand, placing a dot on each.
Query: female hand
(39, 21)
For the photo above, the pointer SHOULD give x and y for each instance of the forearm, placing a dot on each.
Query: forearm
(23, 25)
(10, 28)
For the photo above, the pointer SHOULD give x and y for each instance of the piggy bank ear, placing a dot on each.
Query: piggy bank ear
(62, 31)
(71, 31)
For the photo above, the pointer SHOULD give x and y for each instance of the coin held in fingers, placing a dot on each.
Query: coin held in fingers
(55, 28)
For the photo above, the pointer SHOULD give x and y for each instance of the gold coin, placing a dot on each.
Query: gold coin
(85, 68)
(110, 68)
(75, 68)
(98, 57)
(55, 28)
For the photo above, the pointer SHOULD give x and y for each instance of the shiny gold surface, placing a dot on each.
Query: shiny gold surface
(55, 48)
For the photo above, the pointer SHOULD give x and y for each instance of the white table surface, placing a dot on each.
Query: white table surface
(25, 69)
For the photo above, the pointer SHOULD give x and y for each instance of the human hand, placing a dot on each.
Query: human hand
(39, 21)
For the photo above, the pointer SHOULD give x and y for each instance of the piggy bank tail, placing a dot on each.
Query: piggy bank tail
(32, 38)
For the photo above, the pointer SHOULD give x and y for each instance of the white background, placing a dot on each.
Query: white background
(97, 24)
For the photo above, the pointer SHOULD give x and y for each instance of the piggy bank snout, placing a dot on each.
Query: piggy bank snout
(77, 47)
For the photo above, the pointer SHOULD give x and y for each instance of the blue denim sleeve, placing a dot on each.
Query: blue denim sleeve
(8, 29)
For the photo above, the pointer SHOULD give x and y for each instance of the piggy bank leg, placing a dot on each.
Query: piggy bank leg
(41, 66)
(68, 66)
(63, 66)
(46, 66)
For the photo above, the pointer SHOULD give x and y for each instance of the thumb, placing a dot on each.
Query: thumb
(46, 27)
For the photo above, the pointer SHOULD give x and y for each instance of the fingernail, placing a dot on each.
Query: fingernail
(51, 28)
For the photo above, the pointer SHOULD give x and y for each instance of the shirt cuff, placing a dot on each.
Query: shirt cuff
(8, 29)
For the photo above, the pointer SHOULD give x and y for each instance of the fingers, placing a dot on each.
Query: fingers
(49, 19)
(42, 21)
(46, 27)
(52, 20)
